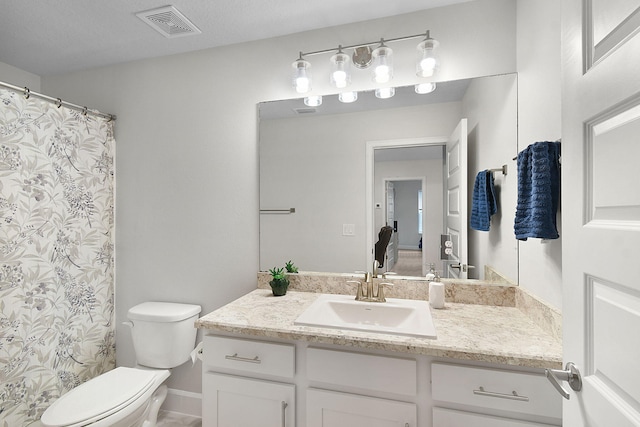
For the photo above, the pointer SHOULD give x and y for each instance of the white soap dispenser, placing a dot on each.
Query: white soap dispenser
(436, 292)
(431, 275)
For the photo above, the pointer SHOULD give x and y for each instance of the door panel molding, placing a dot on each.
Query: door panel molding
(598, 46)
(611, 153)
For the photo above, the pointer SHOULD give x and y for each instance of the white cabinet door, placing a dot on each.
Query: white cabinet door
(242, 402)
(333, 409)
(450, 418)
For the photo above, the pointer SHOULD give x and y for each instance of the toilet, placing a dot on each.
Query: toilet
(163, 336)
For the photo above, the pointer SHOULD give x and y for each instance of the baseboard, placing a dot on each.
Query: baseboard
(183, 402)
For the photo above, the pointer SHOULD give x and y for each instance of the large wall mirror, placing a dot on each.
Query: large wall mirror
(331, 176)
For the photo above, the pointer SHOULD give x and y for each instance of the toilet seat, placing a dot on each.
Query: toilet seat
(102, 396)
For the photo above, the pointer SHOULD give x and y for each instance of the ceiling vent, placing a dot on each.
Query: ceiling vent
(304, 110)
(169, 22)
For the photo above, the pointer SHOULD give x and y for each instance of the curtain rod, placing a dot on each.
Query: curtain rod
(59, 102)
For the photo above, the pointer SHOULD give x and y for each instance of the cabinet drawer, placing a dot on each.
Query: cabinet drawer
(512, 391)
(363, 371)
(249, 356)
(450, 418)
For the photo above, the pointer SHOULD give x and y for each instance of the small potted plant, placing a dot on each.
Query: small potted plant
(279, 282)
(291, 268)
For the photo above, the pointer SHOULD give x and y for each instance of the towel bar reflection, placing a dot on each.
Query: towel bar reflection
(278, 211)
(503, 169)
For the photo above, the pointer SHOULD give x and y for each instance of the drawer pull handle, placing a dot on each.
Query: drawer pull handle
(513, 396)
(284, 413)
(243, 359)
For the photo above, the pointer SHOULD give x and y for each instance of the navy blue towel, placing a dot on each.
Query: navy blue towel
(538, 191)
(483, 204)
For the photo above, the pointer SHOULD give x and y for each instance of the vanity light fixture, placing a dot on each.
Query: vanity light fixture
(424, 88)
(427, 63)
(380, 59)
(313, 101)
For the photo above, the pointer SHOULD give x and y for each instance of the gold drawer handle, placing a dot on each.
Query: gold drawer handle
(243, 359)
(512, 396)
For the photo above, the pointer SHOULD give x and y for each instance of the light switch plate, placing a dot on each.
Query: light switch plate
(348, 229)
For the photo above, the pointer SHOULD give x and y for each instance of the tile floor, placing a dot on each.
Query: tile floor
(173, 419)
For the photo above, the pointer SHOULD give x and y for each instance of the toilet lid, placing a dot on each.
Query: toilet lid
(99, 397)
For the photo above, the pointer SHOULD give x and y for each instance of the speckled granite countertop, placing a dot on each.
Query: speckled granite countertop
(501, 335)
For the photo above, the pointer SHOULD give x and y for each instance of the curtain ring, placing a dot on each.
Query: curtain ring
(59, 102)
(27, 93)
(84, 111)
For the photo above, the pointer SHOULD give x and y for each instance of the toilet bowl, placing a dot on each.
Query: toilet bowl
(164, 336)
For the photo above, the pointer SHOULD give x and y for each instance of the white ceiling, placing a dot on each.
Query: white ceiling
(56, 37)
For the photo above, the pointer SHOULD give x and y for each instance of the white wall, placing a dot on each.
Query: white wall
(406, 213)
(490, 105)
(187, 194)
(17, 77)
(539, 119)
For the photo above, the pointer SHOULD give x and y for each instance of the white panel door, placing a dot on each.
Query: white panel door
(601, 209)
(456, 201)
(390, 217)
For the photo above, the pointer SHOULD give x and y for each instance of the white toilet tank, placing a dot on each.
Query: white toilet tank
(163, 333)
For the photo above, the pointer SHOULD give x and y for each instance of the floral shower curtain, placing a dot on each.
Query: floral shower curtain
(56, 253)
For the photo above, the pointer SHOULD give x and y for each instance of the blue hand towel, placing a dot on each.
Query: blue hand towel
(538, 191)
(483, 204)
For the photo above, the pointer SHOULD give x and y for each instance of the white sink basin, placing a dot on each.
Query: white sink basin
(396, 316)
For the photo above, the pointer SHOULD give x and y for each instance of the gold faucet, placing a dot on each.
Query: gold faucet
(365, 293)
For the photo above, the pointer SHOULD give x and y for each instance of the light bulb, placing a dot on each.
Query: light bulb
(348, 97)
(313, 101)
(424, 88)
(340, 79)
(428, 65)
(302, 85)
(382, 74)
(385, 92)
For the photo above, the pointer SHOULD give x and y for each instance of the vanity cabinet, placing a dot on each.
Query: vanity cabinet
(247, 383)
